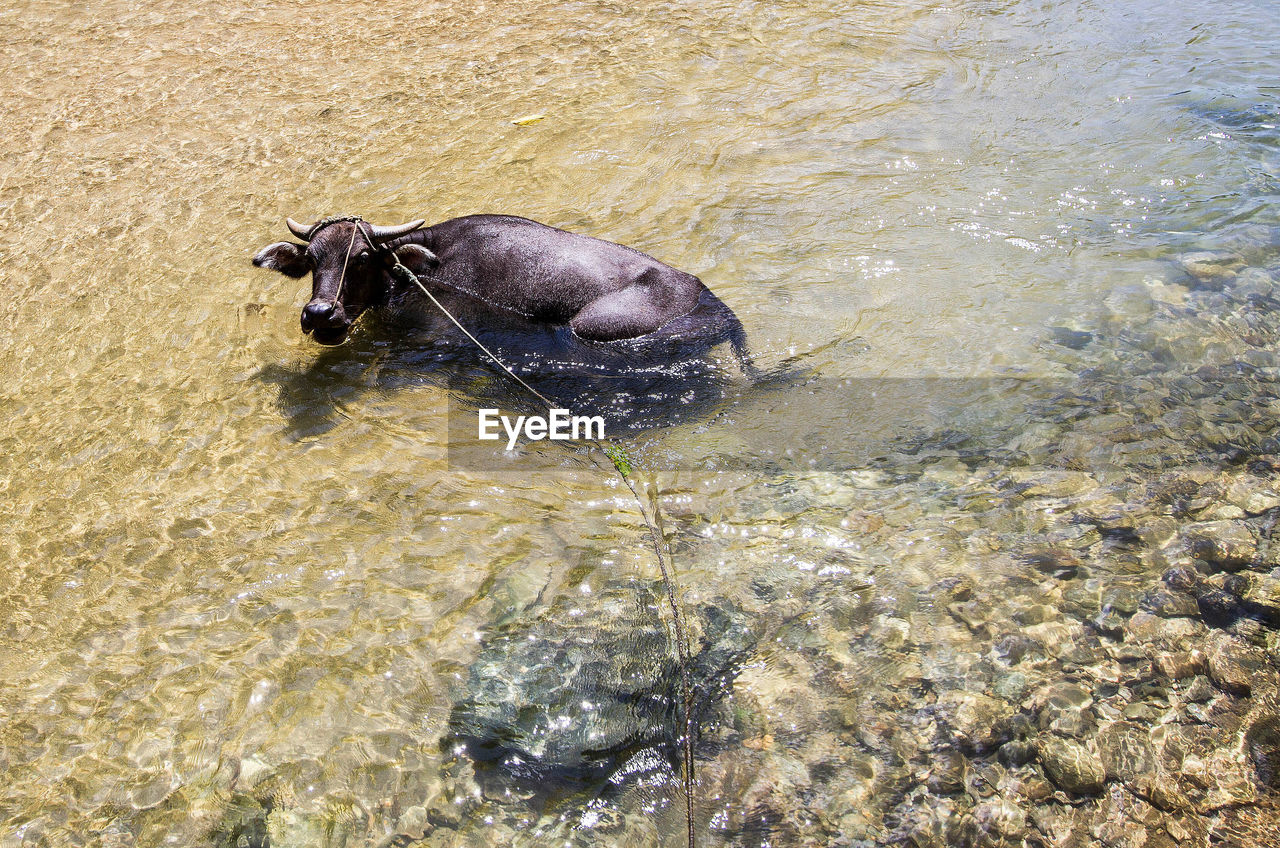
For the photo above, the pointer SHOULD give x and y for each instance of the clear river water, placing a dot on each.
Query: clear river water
(252, 589)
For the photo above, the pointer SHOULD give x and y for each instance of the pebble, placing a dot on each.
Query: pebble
(1199, 690)
(1211, 269)
(972, 719)
(1223, 544)
(1233, 664)
(1168, 604)
(1126, 752)
(1179, 664)
(1072, 766)
(1065, 710)
(1176, 634)
(1262, 596)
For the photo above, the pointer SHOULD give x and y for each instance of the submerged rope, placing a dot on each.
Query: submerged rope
(622, 466)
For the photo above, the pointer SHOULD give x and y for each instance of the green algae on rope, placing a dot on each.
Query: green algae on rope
(622, 464)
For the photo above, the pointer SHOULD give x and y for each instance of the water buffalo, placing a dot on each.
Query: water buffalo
(502, 269)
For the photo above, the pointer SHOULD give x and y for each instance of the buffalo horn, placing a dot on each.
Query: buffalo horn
(302, 231)
(381, 234)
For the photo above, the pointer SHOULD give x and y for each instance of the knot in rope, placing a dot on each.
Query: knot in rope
(334, 219)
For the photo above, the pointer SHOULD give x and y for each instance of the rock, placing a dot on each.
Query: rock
(253, 771)
(1172, 634)
(1126, 752)
(413, 823)
(1109, 622)
(298, 828)
(1041, 483)
(448, 812)
(1128, 654)
(1057, 637)
(1072, 766)
(1011, 687)
(1035, 614)
(889, 632)
(1067, 337)
(1001, 819)
(947, 773)
(1210, 269)
(975, 615)
(1262, 744)
(117, 836)
(1217, 606)
(1156, 533)
(1081, 601)
(1166, 795)
(1118, 603)
(1129, 301)
(1224, 544)
(1262, 597)
(1036, 789)
(1062, 563)
(973, 719)
(1253, 283)
(578, 689)
(1182, 578)
(1123, 599)
(1180, 664)
(1199, 690)
(1233, 664)
(1017, 752)
(1065, 710)
(243, 823)
(1166, 603)
(1252, 494)
(1014, 648)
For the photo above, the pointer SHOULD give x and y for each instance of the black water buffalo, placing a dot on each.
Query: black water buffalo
(502, 267)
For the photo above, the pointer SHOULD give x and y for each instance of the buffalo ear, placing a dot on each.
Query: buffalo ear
(416, 258)
(284, 256)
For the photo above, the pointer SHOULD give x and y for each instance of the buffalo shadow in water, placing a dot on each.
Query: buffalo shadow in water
(635, 385)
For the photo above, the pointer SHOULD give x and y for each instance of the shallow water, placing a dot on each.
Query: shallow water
(233, 554)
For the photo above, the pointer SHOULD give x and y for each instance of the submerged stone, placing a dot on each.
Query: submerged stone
(1225, 544)
(1065, 710)
(576, 691)
(1210, 269)
(1126, 751)
(1072, 766)
(975, 721)
(1233, 665)
(1262, 744)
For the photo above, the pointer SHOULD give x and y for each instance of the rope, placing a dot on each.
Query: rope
(342, 278)
(402, 273)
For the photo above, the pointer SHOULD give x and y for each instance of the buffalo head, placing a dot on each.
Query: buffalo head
(350, 269)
